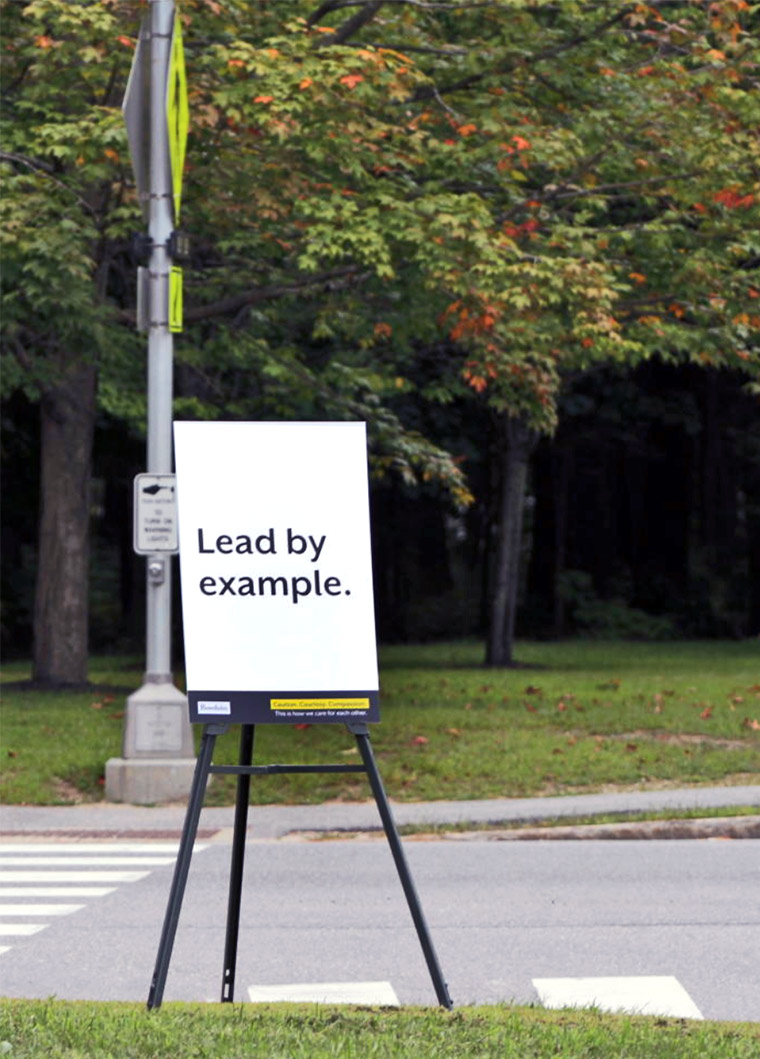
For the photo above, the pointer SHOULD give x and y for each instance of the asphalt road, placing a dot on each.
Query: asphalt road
(502, 915)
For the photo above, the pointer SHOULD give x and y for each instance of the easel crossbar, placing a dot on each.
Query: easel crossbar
(274, 770)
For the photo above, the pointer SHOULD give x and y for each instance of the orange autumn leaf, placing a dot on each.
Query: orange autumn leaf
(467, 130)
(44, 42)
(637, 277)
(111, 154)
(306, 83)
(263, 99)
(351, 80)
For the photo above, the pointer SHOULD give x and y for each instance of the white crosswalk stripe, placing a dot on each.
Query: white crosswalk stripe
(42, 878)
(377, 994)
(635, 995)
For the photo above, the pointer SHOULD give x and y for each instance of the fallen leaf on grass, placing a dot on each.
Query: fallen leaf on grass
(351, 750)
(420, 740)
(96, 705)
(754, 724)
(631, 747)
(454, 731)
(533, 690)
(530, 707)
(706, 713)
(301, 727)
(561, 707)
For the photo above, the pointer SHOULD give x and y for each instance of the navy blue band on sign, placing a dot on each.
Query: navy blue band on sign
(283, 707)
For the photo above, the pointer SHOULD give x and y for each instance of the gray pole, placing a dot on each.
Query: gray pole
(160, 341)
(158, 752)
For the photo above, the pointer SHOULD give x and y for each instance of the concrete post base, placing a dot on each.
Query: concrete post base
(153, 781)
(158, 753)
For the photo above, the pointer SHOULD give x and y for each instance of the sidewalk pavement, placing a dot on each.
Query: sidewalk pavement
(104, 819)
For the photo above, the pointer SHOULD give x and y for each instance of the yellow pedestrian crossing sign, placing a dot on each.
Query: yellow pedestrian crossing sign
(175, 299)
(177, 113)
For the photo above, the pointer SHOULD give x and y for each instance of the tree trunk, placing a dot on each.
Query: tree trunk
(515, 442)
(61, 598)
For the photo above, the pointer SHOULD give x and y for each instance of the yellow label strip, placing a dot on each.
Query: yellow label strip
(319, 704)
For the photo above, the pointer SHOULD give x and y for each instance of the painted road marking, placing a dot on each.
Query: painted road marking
(39, 873)
(89, 847)
(38, 910)
(99, 862)
(640, 995)
(71, 876)
(56, 891)
(376, 994)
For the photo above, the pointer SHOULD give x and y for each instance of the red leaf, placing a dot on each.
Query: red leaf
(420, 740)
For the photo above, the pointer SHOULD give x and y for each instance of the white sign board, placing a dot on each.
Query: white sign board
(155, 514)
(276, 572)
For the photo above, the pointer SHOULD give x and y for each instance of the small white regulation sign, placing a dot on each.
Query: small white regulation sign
(155, 514)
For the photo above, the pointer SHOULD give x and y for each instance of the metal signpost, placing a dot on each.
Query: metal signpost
(279, 625)
(158, 751)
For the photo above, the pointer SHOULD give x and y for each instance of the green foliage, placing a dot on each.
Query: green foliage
(545, 186)
(608, 619)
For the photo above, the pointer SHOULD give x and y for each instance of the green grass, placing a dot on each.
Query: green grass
(577, 716)
(33, 1029)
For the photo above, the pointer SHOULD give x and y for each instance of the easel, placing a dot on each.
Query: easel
(244, 770)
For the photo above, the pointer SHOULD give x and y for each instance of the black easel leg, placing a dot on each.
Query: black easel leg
(236, 864)
(376, 783)
(182, 865)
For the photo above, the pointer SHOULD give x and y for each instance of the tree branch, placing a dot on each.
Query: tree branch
(335, 280)
(46, 170)
(435, 91)
(365, 14)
